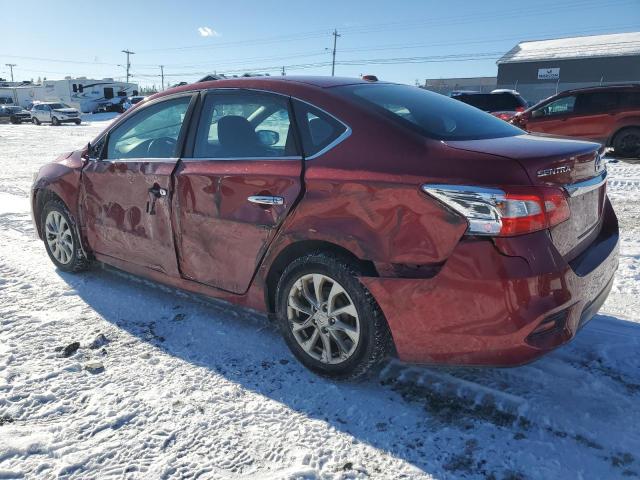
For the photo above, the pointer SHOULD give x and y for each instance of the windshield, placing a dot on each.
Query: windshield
(56, 106)
(431, 114)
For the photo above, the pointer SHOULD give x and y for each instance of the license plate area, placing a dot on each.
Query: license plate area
(583, 224)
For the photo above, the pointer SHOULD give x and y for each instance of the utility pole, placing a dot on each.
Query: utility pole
(128, 63)
(162, 75)
(335, 41)
(11, 65)
(283, 71)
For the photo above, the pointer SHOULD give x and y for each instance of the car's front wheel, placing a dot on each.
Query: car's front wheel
(78, 122)
(329, 320)
(54, 121)
(61, 239)
(35, 121)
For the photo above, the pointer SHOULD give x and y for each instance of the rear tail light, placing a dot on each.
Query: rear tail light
(520, 109)
(503, 212)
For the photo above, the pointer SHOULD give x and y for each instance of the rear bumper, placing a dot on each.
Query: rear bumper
(486, 307)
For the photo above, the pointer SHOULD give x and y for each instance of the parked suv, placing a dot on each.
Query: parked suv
(54, 113)
(365, 217)
(14, 114)
(609, 115)
(503, 104)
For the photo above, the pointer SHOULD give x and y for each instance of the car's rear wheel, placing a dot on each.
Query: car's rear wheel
(626, 143)
(78, 122)
(35, 121)
(61, 239)
(54, 121)
(329, 320)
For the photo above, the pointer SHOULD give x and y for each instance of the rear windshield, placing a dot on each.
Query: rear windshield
(431, 114)
(492, 102)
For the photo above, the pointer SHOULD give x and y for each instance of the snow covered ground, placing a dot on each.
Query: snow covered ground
(163, 384)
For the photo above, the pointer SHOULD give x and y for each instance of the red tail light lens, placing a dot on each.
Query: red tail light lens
(520, 109)
(504, 212)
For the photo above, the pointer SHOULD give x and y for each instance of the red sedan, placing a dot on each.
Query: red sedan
(367, 218)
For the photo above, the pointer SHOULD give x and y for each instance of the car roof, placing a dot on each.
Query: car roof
(598, 88)
(268, 82)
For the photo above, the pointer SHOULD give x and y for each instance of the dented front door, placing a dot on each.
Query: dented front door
(126, 194)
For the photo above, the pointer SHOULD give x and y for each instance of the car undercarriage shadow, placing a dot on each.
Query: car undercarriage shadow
(576, 410)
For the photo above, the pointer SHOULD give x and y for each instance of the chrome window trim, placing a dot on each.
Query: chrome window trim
(346, 134)
(586, 186)
(140, 160)
(237, 159)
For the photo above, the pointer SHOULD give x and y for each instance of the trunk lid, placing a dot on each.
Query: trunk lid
(558, 162)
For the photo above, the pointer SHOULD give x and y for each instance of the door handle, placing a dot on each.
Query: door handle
(266, 200)
(158, 192)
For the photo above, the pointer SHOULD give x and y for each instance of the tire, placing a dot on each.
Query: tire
(55, 122)
(78, 122)
(15, 121)
(61, 239)
(352, 354)
(626, 143)
(35, 121)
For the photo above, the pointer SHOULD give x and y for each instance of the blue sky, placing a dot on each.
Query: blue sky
(415, 38)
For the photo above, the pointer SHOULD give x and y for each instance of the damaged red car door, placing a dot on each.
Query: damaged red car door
(236, 186)
(127, 189)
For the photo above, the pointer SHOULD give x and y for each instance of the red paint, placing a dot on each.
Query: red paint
(448, 298)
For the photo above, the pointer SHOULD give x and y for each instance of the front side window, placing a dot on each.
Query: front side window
(562, 106)
(317, 129)
(244, 125)
(431, 114)
(151, 133)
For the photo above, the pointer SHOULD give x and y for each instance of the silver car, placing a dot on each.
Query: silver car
(55, 113)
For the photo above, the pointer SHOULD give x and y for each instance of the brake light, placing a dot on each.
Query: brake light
(520, 109)
(504, 212)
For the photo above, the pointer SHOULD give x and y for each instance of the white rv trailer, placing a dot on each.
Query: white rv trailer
(87, 95)
(23, 95)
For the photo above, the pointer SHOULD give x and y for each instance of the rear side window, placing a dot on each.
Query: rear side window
(629, 99)
(317, 129)
(244, 124)
(596, 102)
(429, 113)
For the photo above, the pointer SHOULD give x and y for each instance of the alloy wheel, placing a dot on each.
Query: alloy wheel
(323, 318)
(59, 237)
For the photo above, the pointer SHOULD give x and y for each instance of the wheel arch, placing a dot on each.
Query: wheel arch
(620, 129)
(299, 249)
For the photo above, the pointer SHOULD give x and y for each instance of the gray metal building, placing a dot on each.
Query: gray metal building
(448, 85)
(538, 69)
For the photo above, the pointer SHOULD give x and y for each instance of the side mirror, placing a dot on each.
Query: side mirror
(90, 154)
(268, 138)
